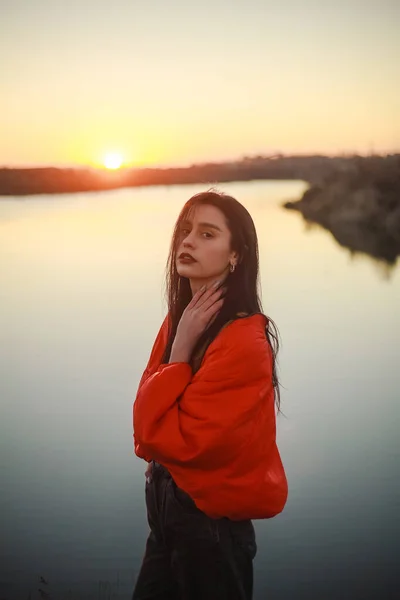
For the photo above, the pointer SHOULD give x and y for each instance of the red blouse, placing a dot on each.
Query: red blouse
(215, 430)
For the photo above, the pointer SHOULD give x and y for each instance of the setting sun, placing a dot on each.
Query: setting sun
(113, 160)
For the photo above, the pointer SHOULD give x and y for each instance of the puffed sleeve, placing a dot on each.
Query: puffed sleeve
(154, 359)
(206, 419)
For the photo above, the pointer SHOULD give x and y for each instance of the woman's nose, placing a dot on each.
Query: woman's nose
(188, 241)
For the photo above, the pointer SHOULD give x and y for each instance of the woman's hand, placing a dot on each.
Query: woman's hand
(202, 308)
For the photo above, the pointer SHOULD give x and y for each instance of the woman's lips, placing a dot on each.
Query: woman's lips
(186, 259)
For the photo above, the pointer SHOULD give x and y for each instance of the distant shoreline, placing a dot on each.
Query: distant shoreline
(356, 198)
(52, 180)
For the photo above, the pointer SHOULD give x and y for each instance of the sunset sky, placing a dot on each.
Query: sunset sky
(174, 82)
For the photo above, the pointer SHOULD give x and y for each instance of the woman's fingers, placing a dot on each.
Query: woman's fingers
(213, 309)
(211, 300)
(196, 297)
(212, 292)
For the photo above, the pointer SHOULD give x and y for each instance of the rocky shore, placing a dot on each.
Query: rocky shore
(359, 203)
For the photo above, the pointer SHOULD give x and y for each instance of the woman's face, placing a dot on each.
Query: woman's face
(205, 236)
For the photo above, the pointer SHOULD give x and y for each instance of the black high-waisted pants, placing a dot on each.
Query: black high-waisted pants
(190, 556)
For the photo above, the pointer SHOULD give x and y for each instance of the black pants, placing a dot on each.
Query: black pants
(190, 556)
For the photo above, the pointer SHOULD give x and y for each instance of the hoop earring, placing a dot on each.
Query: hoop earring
(232, 267)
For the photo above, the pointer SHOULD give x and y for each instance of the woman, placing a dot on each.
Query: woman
(204, 415)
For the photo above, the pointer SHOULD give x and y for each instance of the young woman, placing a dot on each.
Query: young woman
(204, 414)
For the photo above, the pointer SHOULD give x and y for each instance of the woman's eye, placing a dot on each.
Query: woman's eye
(206, 234)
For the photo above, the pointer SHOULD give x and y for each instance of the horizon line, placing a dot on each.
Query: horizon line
(271, 156)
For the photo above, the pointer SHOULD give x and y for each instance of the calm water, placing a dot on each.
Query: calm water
(81, 300)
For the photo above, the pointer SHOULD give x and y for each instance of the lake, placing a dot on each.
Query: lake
(81, 300)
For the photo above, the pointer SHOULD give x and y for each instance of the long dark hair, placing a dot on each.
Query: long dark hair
(242, 294)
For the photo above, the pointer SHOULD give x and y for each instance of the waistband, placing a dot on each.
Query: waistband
(158, 467)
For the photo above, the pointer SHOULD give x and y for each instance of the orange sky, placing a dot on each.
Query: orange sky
(167, 83)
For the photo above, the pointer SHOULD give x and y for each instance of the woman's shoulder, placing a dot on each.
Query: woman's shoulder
(245, 333)
(247, 325)
(240, 349)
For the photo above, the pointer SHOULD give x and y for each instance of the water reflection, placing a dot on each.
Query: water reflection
(383, 269)
(81, 302)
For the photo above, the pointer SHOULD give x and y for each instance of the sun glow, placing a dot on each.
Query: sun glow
(113, 160)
